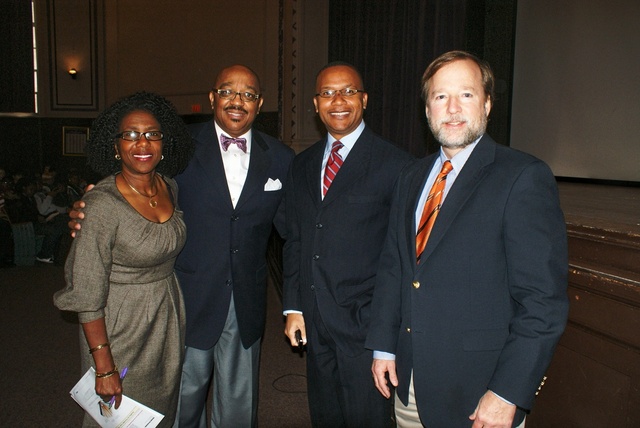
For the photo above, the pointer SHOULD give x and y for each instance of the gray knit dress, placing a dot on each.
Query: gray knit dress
(120, 267)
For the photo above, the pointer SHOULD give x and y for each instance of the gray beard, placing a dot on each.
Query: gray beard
(475, 131)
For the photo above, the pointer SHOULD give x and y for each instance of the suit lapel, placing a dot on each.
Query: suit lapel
(210, 160)
(354, 167)
(465, 185)
(313, 171)
(259, 164)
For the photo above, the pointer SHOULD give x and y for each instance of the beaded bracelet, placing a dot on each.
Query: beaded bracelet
(99, 347)
(107, 374)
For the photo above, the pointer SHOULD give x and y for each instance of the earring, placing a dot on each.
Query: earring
(162, 158)
(117, 156)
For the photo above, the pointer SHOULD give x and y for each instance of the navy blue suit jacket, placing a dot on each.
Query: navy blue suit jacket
(226, 246)
(488, 302)
(333, 245)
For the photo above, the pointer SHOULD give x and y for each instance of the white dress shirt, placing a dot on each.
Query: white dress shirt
(236, 164)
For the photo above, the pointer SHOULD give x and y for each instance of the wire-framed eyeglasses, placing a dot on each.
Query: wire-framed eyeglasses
(346, 92)
(228, 94)
(135, 135)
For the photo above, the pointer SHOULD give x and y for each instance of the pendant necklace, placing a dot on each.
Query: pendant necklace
(152, 202)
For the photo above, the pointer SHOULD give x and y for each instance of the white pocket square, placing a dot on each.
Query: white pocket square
(272, 185)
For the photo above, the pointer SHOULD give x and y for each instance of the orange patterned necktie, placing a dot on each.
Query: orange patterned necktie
(333, 165)
(431, 209)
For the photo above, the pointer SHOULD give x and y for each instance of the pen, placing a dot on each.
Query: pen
(105, 408)
(122, 375)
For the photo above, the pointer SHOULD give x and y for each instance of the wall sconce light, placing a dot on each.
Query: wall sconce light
(73, 73)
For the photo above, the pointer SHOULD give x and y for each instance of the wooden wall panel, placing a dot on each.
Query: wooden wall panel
(594, 379)
(73, 29)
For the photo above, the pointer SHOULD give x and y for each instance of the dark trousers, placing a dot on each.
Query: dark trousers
(52, 231)
(340, 387)
(6, 244)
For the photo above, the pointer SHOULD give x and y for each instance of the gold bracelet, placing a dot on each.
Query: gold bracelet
(99, 347)
(107, 374)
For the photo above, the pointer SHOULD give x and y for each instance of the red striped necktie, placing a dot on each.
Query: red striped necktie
(431, 209)
(333, 165)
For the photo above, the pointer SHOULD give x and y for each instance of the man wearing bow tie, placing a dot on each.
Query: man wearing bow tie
(230, 194)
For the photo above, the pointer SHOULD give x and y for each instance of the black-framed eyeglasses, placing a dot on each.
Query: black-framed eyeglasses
(346, 92)
(135, 135)
(228, 94)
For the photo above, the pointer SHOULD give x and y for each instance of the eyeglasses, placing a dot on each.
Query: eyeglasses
(135, 135)
(346, 92)
(228, 94)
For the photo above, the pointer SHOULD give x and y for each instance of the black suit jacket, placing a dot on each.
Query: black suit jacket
(226, 247)
(488, 302)
(333, 245)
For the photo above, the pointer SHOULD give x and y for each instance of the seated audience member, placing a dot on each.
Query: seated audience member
(51, 198)
(25, 209)
(6, 241)
(74, 187)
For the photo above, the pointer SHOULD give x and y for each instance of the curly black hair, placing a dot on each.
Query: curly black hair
(177, 145)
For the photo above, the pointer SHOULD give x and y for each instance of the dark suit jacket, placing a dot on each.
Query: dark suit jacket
(488, 303)
(333, 245)
(226, 247)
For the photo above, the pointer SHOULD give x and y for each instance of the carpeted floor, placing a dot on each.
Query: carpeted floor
(39, 360)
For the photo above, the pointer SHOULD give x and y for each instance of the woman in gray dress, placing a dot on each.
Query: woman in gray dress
(119, 272)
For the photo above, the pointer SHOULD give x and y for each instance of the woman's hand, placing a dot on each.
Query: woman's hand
(108, 387)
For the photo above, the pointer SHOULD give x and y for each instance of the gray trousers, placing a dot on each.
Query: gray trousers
(235, 382)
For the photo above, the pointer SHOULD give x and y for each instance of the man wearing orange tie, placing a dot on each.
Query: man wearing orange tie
(470, 297)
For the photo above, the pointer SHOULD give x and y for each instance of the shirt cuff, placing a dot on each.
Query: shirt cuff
(291, 311)
(381, 355)
(506, 401)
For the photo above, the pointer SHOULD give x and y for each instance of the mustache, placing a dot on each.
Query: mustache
(455, 118)
(238, 108)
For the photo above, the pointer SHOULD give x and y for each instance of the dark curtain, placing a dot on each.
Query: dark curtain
(16, 56)
(391, 43)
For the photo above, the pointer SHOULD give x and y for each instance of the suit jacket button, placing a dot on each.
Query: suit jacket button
(318, 225)
(234, 251)
(408, 330)
(416, 284)
(313, 287)
(234, 217)
(316, 257)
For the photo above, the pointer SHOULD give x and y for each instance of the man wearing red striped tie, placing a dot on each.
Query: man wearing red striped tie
(338, 199)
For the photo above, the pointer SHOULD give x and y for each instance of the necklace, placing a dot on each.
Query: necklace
(152, 202)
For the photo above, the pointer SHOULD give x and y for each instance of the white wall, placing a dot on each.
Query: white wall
(576, 95)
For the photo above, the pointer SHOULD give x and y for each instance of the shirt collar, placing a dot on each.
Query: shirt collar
(460, 158)
(348, 140)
